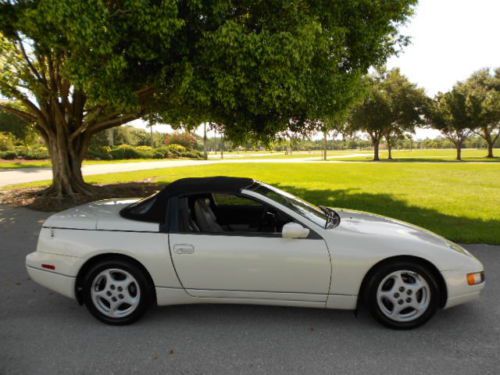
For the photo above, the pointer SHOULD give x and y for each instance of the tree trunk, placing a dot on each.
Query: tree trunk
(222, 147)
(459, 151)
(376, 144)
(490, 150)
(67, 156)
(325, 145)
(389, 150)
(205, 154)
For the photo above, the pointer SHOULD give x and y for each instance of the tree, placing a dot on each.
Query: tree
(482, 103)
(393, 106)
(449, 114)
(80, 67)
(408, 105)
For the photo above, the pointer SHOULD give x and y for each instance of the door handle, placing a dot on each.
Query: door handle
(183, 249)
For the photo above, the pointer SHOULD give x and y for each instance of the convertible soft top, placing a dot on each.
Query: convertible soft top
(152, 209)
(206, 184)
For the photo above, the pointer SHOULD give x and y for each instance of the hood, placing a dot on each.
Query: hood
(99, 215)
(376, 226)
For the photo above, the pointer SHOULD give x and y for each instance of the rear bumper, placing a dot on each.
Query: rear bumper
(459, 291)
(61, 280)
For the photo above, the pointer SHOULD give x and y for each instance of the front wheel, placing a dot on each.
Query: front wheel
(116, 292)
(402, 295)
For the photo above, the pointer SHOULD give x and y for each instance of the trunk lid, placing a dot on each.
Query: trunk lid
(99, 215)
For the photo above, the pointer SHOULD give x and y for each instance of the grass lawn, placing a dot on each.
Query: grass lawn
(460, 201)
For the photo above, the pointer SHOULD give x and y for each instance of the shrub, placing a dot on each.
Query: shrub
(99, 153)
(184, 139)
(145, 152)
(8, 155)
(6, 141)
(31, 153)
(124, 152)
(164, 152)
(193, 154)
(176, 150)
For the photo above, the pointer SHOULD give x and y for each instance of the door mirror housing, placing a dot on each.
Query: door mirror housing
(294, 230)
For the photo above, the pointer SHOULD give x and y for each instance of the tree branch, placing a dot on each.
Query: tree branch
(123, 119)
(28, 61)
(17, 112)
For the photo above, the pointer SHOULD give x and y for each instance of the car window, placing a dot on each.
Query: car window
(300, 206)
(230, 214)
(233, 200)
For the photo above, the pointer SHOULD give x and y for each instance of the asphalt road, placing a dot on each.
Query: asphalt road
(44, 333)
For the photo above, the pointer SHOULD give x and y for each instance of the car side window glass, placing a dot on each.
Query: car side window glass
(230, 214)
(233, 200)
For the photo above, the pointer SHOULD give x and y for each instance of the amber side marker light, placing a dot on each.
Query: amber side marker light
(49, 266)
(475, 278)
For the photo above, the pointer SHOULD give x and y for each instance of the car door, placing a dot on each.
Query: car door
(245, 263)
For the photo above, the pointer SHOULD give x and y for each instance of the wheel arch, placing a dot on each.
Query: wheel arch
(89, 263)
(432, 268)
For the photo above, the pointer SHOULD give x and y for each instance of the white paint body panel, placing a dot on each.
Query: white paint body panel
(325, 272)
(224, 266)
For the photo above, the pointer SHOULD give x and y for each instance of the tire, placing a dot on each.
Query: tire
(402, 294)
(117, 292)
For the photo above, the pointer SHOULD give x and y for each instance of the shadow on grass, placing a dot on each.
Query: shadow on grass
(455, 228)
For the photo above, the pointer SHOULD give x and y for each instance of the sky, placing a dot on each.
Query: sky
(450, 39)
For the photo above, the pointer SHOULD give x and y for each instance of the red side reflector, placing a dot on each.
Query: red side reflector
(49, 266)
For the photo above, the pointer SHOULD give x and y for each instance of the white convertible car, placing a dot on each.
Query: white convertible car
(236, 240)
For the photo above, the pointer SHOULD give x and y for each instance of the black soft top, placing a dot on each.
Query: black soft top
(206, 184)
(152, 209)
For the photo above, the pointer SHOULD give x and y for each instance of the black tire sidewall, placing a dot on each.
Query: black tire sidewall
(144, 285)
(381, 273)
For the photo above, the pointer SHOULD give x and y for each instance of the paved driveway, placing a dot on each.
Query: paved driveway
(44, 333)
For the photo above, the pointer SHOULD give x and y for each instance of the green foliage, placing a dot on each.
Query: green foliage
(254, 67)
(176, 149)
(482, 92)
(392, 106)
(21, 129)
(130, 152)
(469, 106)
(6, 141)
(143, 152)
(8, 155)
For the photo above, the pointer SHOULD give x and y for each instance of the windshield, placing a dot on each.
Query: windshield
(300, 206)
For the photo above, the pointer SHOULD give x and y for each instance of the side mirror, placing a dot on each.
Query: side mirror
(294, 230)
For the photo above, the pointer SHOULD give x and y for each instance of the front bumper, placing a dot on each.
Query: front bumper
(61, 280)
(459, 291)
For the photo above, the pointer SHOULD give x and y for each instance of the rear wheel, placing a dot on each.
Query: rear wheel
(117, 292)
(402, 295)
